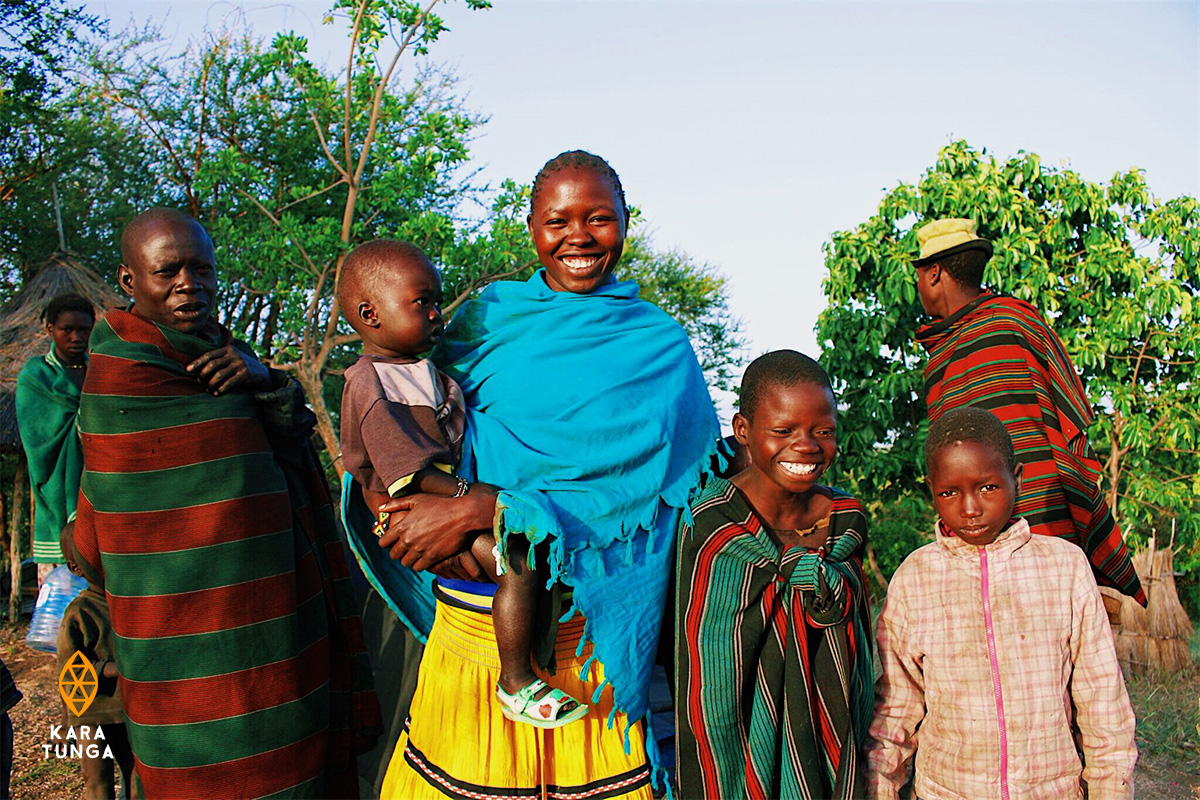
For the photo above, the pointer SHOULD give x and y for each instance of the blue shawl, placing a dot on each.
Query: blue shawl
(591, 414)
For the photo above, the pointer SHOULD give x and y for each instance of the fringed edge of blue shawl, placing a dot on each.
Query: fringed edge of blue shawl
(536, 522)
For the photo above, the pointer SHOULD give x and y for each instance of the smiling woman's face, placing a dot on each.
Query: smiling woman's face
(578, 227)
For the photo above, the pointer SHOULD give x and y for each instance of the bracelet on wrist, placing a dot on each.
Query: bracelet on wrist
(462, 488)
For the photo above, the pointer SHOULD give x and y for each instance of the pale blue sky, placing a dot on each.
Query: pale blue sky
(747, 131)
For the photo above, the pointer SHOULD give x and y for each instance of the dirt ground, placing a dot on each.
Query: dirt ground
(34, 776)
(38, 778)
(1167, 784)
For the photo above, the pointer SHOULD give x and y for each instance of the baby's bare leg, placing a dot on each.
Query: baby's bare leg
(512, 610)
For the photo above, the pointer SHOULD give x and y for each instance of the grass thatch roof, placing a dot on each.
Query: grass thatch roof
(22, 334)
(1155, 638)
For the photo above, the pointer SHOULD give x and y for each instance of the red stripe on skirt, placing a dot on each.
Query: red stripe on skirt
(204, 611)
(143, 532)
(184, 702)
(176, 446)
(754, 787)
(258, 775)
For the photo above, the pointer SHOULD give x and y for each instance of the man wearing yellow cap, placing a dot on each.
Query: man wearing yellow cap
(998, 353)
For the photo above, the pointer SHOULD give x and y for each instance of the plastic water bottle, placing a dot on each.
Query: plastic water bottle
(57, 592)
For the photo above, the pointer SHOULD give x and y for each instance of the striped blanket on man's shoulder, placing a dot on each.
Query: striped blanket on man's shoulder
(242, 663)
(998, 353)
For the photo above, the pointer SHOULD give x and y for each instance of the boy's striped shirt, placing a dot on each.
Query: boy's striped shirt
(999, 354)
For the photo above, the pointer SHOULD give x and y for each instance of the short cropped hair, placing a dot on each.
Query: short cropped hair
(580, 159)
(965, 267)
(63, 303)
(778, 368)
(149, 216)
(969, 424)
(366, 264)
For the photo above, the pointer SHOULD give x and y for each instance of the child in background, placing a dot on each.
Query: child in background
(401, 430)
(997, 654)
(86, 628)
(774, 671)
(47, 401)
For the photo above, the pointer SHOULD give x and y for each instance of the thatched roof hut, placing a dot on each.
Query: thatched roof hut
(22, 334)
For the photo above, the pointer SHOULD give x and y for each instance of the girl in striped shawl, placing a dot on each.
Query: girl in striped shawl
(774, 675)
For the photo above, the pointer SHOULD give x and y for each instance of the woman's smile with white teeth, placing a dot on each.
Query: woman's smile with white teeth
(580, 262)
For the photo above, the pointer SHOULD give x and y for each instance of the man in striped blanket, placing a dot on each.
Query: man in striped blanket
(998, 353)
(205, 515)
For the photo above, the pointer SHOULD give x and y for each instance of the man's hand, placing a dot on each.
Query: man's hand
(222, 370)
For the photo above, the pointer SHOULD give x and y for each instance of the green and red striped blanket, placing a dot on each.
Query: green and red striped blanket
(242, 663)
(774, 683)
(998, 353)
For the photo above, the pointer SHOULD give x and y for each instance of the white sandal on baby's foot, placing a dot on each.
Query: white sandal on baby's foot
(540, 712)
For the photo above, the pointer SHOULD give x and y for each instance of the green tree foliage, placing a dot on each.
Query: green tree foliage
(1112, 267)
(91, 177)
(54, 145)
(37, 40)
(289, 166)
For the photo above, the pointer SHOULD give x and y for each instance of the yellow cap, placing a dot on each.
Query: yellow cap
(943, 236)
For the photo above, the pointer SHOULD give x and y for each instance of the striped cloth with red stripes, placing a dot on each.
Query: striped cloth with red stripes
(998, 353)
(774, 683)
(243, 668)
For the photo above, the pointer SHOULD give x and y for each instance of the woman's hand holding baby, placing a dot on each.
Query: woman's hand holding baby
(425, 530)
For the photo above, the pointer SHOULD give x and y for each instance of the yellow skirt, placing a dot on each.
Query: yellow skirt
(458, 744)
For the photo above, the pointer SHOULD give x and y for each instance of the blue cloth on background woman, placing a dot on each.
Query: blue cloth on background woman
(591, 413)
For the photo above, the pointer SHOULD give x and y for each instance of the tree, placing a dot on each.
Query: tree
(46, 139)
(1115, 271)
(289, 166)
(39, 37)
(90, 180)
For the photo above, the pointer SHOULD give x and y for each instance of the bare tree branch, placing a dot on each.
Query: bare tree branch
(475, 283)
(325, 147)
(311, 195)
